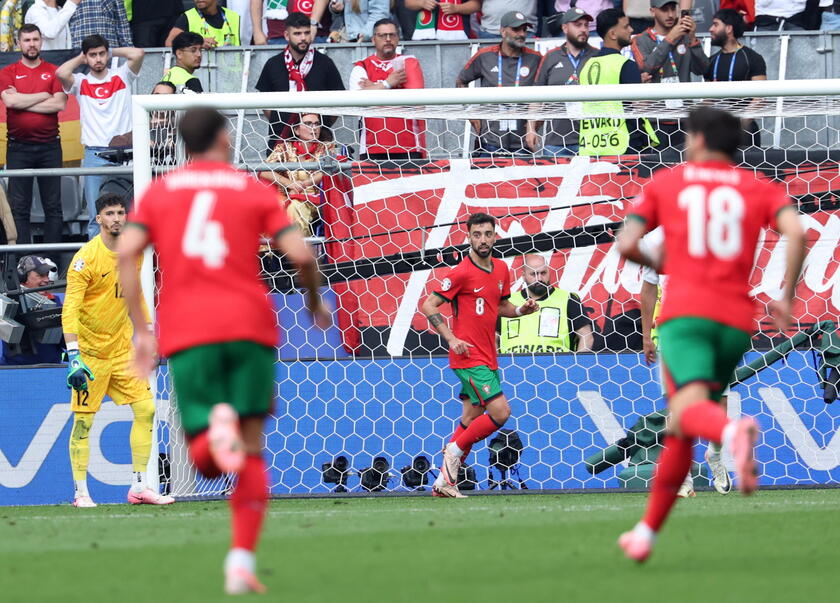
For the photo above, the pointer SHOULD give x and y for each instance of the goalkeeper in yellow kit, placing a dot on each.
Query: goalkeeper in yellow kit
(98, 334)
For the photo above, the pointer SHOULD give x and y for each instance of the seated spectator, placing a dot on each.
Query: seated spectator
(162, 130)
(442, 20)
(390, 137)
(187, 50)
(151, 20)
(510, 63)
(560, 325)
(592, 7)
(218, 26)
(638, 11)
(296, 69)
(53, 22)
(300, 189)
(360, 16)
(106, 18)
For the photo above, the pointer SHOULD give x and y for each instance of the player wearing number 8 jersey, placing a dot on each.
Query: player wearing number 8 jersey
(216, 322)
(712, 214)
(478, 289)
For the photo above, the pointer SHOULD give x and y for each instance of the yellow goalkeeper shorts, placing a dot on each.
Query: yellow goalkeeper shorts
(113, 377)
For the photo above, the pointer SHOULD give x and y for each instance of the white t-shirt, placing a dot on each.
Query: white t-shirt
(651, 244)
(105, 105)
(53, 24)
(779, 8)
(246, 28)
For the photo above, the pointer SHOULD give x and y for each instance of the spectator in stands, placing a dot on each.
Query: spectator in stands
(670, 52)
(186, 47)
(300, 190)
(560, 325)
(745, 8)
(735, 62)
(590, 7)
(638, 11)
(219, 26)
(492, 12)
(830, 19)
(296, 69)
(105, 102)
(315, 11)
(391, 137)
(250, 13)
(360, 16)
(162, 129)
(446, 20)
(785, 15)
(151, 20)
(104, 18)
(561, 66)
(52, 21)
(33, 97)
(613, 136)
(510, 63)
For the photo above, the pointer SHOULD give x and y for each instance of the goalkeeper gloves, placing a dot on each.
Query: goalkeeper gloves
(77, 371)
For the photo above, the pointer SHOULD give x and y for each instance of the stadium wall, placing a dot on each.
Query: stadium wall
(565, 407)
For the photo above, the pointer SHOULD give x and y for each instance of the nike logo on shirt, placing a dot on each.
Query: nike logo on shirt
(106, 274)
(477, 290)
(17, 77)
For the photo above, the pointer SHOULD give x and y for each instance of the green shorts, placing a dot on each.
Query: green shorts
(479, 384)
(240, 373)
(698, 349)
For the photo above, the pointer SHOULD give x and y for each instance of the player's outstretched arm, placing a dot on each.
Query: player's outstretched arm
(789, 226)
(431, 309)
(132, 243)
(508, 310)
(291, 243)
(650, 293)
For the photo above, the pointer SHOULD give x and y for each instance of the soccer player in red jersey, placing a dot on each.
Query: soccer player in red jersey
(216, 322)
(478, 289)
(712, 213)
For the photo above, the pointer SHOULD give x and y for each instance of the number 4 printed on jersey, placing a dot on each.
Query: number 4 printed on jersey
(205, 238)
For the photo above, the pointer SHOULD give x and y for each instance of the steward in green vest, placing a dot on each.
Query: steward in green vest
(214, 23)
(560, 325)
(187, 50)
(610, 133)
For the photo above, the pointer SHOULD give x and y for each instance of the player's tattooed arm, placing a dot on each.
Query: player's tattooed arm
(430, 308)
(436, 319)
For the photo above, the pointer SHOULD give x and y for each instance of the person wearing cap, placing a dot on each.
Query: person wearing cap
(605, 135)
(493, 11)
(590, 7)
(670, 52)
(507, 64)
(187, 50)
(561, 66)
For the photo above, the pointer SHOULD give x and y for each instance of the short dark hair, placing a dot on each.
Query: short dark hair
(168, 84)
(110, 200)
(297, 19)
(720, 129)
(199, 128)
(29, 28)
(385, 21)
(185, 39)
(93, 41)
(480, 218)
(606, 20)
(728, 16)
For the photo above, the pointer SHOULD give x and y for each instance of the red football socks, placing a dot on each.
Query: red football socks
(248, 503)
(200, 454)
(479, 429)
(704, 420)
(458, 431)
(671, 468)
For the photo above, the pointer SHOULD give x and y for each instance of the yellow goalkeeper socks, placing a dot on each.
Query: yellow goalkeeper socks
(140, 439)
(80, 449)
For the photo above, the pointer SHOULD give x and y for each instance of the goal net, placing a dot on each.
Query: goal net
(382, 182)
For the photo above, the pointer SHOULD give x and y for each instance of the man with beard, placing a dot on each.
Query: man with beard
(478, 289)
(561, 66)
(391, 137)
(560, 326)
(105, 106)
(297, 69)
(735, 62)
(507, 64)
(33, 97)
(98, 334)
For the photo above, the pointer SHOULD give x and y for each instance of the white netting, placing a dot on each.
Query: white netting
(378, 384)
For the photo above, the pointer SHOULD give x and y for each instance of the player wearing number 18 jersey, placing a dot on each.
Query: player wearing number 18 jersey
(478, 289)
(712, 214)
(215, 320)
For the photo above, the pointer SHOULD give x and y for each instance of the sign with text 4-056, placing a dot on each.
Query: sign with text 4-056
(35, 422)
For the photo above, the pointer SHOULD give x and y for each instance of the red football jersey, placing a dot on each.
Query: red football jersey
(25, 125)
(205, 221)
(712, 214)
(475, 294)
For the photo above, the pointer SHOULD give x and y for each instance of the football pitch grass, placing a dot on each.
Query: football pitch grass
(780, 545)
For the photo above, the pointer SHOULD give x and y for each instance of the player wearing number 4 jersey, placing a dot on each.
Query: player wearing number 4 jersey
(217, 325)
(712, 214)
(478, 289)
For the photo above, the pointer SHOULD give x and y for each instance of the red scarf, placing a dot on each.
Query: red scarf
(298, 71)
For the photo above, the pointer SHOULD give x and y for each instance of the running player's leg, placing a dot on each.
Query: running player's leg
(84, 405)
(469, 413)
(721, 480)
